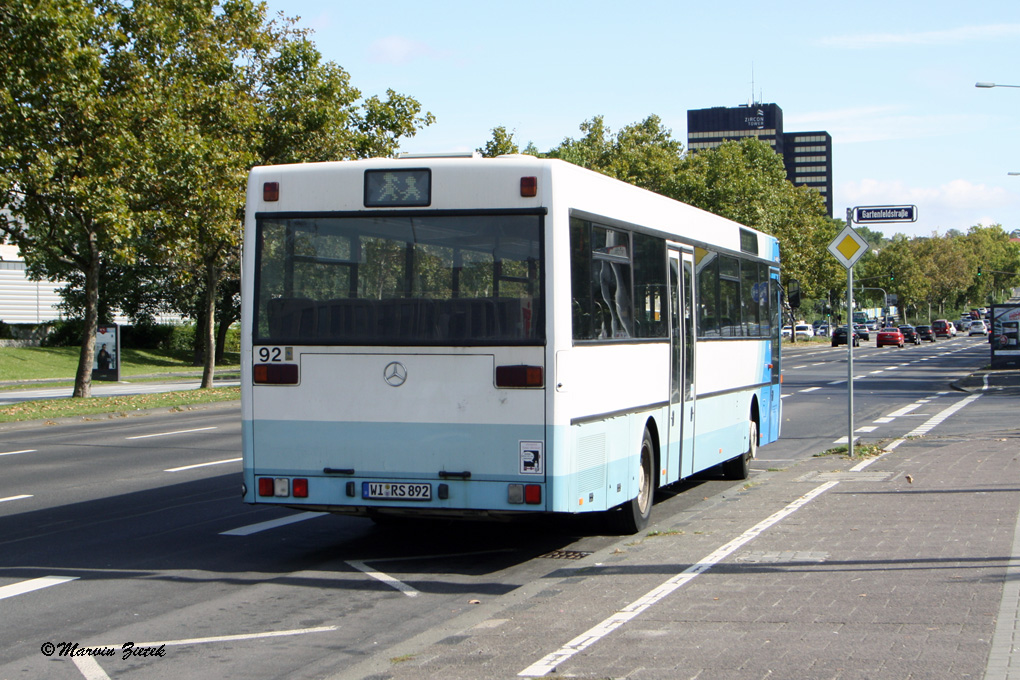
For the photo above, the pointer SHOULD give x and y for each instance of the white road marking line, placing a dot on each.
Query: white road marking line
(168, 434)
(271, 524)
(903, 411)
(548, 664)
(923, 429)
(232, 638)
(16, 498)
(201, 465)
(866, 428)
(811, 389)
(385, 578)
(93, 671)
(883, 421)
(14, 453)
(90, 668)
(33, 584)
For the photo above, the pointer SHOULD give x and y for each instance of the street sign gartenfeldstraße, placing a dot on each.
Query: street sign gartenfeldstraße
(885, 213)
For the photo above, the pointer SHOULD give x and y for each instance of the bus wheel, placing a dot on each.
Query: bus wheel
(633, 516)
(740, 467)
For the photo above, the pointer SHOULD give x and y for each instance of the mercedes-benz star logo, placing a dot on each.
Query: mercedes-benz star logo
(395, 374)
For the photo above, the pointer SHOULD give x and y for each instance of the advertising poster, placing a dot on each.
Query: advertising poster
(106, 362)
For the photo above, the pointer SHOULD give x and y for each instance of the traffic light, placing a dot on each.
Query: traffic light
(979, 271)
(892, 276)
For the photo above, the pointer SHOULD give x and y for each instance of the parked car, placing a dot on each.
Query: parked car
(977, 327)
(889, 336)
(822, 329)
(925, 333)
(803, 330)
(943, 329)
(786, 331)
(910, 334)
(862, 332)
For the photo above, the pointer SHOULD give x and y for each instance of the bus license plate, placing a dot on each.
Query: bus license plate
(396, 491)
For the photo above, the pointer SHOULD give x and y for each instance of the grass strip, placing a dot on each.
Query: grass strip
(47, 409)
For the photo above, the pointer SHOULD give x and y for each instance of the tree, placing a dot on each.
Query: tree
(502, 142)
(129, 129)
(746, 182)
(643, 154)
(69, 117)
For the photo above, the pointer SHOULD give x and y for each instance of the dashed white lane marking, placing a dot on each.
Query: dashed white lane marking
(810, 389)
(548, 663)
(272, 524)
(385, 578)
(23, 587)
(903, 411)
(169, 434)
(201, 465)
(90, 668)
(920, 430)
(14, 453)
(16, 498)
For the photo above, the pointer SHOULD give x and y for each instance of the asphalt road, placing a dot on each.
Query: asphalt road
(132, 531)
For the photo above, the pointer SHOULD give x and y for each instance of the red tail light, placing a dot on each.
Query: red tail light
(267, 486)
(532, 494)
(529, 187)
(275, 374)
(299, 487)
(271, 191)
(519, 376)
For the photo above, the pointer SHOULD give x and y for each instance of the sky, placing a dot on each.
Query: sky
(892, 81)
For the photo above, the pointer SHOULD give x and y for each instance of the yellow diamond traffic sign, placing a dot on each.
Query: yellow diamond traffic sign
(848, 247)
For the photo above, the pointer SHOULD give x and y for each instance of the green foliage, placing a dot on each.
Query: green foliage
(128, 129)
(643, 154)
(502, 142)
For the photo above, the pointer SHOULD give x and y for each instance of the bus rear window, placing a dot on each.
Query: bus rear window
(399, 280)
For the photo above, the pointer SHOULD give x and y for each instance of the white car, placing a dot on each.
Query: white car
(804, 330)
(977, 328)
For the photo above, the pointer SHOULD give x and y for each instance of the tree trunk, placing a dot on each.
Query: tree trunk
(212, 273)
(83, 379)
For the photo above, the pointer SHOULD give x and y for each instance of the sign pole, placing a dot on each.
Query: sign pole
(850, 349)
(848, 247)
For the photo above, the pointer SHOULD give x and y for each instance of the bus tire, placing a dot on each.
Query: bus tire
(633, 516)
(740, 467)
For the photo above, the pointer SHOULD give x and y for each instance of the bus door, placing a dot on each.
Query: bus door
(775, 408)
(680, 461)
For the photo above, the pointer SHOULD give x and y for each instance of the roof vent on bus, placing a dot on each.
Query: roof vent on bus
(442, 154)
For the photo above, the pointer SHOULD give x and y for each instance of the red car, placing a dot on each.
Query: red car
(889, 336)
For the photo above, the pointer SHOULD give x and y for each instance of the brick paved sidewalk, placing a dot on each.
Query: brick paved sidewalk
(906, 567)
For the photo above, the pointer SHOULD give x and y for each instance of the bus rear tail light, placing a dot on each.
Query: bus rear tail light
(519, 376)
(275, 374)
(282, 487)
(529, 187)
(271, 191)
(518, 494)
(532, 494)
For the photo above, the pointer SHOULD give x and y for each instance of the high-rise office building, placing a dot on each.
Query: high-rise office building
(807, 156)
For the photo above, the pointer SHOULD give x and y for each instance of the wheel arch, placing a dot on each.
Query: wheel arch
(653, 429)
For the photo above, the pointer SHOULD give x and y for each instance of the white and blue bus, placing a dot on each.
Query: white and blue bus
(469, 337)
